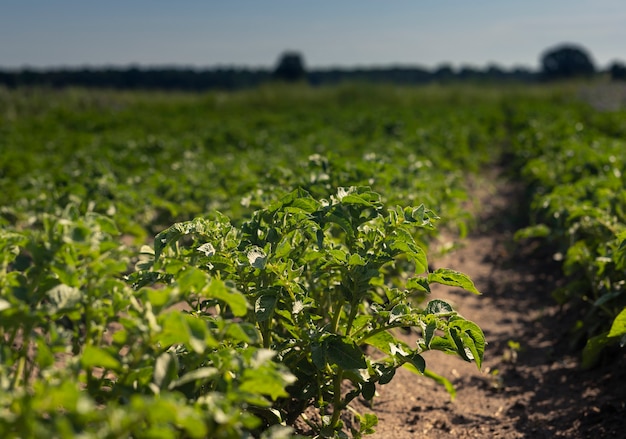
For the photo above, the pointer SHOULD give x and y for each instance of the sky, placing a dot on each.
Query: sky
(328, 33)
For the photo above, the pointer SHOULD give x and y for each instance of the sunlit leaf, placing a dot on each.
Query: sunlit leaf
(445, 276)
(235, 299)
(165, 370)
(618, 327)
(437, 307)
(94, 356)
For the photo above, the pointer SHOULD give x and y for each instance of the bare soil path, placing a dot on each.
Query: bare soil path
(538, 391)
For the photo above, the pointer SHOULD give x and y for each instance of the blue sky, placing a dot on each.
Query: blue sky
(49, 33)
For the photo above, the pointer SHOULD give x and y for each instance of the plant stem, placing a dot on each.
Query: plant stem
(353, 310)
(18, 373)
(376, 331)
(266, 333)
(337, 403)
(337, 315)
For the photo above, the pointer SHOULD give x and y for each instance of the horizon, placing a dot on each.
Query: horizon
(348, 35)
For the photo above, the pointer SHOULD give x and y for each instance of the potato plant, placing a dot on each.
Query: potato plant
(320, 284)
(83, 355)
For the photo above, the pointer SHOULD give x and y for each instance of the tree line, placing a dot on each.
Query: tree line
(561, 62)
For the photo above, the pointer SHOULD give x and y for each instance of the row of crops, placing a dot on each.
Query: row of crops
(573, 161)
(226, 264)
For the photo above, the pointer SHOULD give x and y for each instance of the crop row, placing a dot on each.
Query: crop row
(572, 161)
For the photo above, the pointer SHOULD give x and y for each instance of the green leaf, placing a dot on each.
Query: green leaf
(45, 357)
(445, 276)
(264, 307)
(63, 298)
(157, 297)
(201, 374)
(165, 370)
(536, 231)
(368, 390)
(199, 336)
(443, 344)
(438, 307)
(344, 353)
(106, 224)
(336, 216)
(429, 326)
(356, 260)
(593, 349)
(283, 248)
(419, 283)
(382, 341)
(367, 422)
(399, 312)
(421, 216)
(607, 297)
(228, 294)
(167, 237)
(468, 336)
(298, 199)
(403, 243)
(265, 376)
(357, 200)
(417, 361)
(318, 355)
(618, 327)
(339, 255)
(94, 356)
(308, 204)
(183, 328)
(241, 332)
(172, 234)
(192, 280)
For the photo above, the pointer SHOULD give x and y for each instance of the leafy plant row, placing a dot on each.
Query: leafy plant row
(573, 163)
(150, 160)
(226, 332)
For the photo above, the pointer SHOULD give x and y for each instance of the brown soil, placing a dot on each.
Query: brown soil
(538, 391)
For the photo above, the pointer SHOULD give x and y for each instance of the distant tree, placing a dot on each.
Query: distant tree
(469, 72)
(290, 67)
(618, 71)
(444, 72)
(566, 61)
(494, 71)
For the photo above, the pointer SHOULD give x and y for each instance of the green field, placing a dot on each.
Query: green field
(213, 265)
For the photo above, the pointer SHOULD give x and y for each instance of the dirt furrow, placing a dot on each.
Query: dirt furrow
(530, 384)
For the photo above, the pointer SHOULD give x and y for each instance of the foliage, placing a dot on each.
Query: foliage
(318, 280)
(233, 323)
(197, 350)
(574, 166)
(83, 354)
